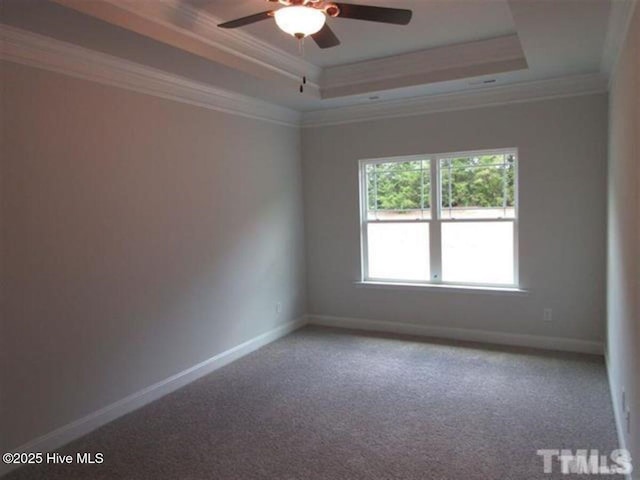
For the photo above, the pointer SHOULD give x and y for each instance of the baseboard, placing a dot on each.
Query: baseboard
(617, 414)
(500, 338)
(84, 425)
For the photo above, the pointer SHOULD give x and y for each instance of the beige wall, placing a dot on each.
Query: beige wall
(623, 289)
(140, 236)
(562, 165)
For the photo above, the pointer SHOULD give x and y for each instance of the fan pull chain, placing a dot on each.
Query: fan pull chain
(301, 51)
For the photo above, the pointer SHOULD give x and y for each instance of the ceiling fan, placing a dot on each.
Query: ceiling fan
(302, 18)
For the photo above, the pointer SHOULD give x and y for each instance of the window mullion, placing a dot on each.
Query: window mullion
(435, 230)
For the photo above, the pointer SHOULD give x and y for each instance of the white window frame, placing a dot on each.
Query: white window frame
(436, 220)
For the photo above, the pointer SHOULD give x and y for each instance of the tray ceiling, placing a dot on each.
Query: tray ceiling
(450, 45)
(435, 23)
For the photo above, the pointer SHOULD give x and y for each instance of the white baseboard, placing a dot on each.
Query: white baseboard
(617, 414)
(522, 340)
(84, 425)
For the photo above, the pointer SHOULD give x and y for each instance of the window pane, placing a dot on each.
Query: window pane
(478, 187)
(399, 251)
(479, 252)
(398, 190)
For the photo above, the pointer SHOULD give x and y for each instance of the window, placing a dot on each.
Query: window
(440, 219)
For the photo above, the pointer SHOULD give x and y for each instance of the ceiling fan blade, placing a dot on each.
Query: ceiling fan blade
(325, 38)
(397, 16)
(241, 22)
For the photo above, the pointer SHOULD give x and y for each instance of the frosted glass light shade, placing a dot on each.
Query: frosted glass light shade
(299, 20)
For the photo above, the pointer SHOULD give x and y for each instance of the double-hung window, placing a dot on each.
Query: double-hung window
(441, 219)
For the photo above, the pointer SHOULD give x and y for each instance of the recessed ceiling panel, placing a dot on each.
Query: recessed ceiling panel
(435, 23)
(375, 62)
(562, 37)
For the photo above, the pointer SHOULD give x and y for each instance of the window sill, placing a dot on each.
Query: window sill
(478, 289)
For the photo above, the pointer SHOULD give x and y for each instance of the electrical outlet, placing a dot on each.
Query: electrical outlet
(278, 308)
(547, 315)
(628, 419)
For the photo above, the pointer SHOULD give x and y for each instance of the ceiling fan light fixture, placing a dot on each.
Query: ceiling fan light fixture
(300, 21)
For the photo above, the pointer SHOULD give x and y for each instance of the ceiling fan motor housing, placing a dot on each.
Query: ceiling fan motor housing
(329, 8)
(302, 18)
(289, 3)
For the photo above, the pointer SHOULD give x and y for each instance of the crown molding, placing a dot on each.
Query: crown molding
(27, 48)
(244, 44)
(617, 30)
(39, 51)
(485, 97)
(184, 26)
(450, 62)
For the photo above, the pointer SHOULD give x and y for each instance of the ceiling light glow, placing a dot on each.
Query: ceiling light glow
(300, 21)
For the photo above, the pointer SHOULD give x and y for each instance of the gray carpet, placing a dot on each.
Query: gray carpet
(333, 404)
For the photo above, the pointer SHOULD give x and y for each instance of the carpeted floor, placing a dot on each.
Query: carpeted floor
(340, 405)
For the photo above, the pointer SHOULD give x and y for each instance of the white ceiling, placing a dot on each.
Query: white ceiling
(435, 23)
(559, 38)
(562, 37)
